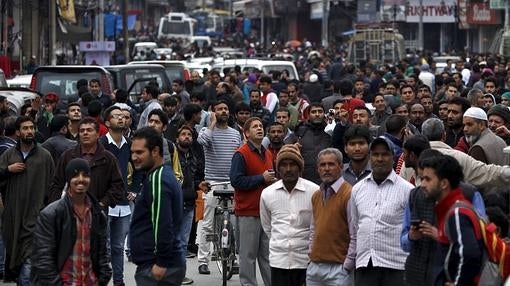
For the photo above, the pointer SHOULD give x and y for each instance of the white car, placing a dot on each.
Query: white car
(266, 66)
(20, 81)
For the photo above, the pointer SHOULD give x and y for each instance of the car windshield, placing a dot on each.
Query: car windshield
(178, 28)
(280, 68)
(64, 84)
(174, 73)
(129, 76)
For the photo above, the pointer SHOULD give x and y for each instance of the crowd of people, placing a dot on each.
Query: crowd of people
(349, 176)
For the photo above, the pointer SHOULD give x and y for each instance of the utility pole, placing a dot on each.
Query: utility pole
(262, 28)
(5, 31)
(53, 32)
(100, 21)
(125, 31)
(420, 26)
(325, 16)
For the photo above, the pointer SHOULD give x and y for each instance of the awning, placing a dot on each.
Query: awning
(73, 33)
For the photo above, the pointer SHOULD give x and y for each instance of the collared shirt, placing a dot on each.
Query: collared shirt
(77, 269)
(350, 176)
(118, 210)
(88, 156)
(111, 141)
(286, 218)
(377, 214)
(350, 258)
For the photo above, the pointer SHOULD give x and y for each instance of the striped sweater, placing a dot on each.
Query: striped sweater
(219, 148)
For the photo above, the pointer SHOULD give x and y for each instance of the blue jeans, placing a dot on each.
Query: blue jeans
(24, 273)
(187, 222)
(119, 227)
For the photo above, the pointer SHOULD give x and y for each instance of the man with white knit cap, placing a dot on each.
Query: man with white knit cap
(484, 145)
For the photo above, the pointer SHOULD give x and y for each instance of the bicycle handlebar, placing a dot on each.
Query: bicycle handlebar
(219, 183)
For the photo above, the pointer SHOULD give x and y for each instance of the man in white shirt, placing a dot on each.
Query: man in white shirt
(285, 215)
(377, 210)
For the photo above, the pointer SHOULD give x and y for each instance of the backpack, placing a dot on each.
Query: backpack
(496, 257)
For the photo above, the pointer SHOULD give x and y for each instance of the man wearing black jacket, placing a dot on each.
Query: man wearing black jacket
(192, 165)
(70, 236)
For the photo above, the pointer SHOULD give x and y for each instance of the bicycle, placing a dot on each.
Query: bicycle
(223, 236)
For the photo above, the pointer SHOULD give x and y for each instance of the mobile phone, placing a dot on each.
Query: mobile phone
(416, 222)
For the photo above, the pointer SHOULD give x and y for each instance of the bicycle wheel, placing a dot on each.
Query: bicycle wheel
(226, 256)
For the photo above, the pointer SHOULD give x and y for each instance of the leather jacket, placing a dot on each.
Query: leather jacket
(54, 239)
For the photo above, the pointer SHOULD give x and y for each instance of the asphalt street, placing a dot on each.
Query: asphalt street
(214, 279)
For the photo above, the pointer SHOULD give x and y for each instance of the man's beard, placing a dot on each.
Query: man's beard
(317, 122)
(184, 144)
(471, 139)
(27, 140)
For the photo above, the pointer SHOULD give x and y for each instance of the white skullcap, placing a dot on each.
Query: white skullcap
(314, 78)
(476, 112)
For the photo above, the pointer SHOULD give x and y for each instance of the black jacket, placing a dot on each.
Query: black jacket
(193, 172)
(106, 183)
(54, 239)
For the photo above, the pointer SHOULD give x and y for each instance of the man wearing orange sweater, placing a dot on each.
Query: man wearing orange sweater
(332, 254)
(251, 172)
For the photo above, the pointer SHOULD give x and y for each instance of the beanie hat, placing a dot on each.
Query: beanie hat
(314, 78)
(51, 96)
(75, 166)
(501, 110)
(476, 112)
(350, 104)
(290, 151)
(506, 95)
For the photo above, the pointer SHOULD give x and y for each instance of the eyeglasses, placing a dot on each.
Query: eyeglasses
(117, 116)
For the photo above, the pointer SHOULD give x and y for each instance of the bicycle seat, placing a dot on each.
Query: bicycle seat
(223, 193)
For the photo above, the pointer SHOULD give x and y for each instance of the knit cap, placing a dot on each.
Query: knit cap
(506, 95)
(501, 110)
(75, 166)
(290, 151)
(476, 113)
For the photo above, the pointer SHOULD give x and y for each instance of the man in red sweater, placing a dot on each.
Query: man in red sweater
(251, 172)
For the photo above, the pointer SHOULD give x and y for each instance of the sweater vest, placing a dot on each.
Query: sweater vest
(492, 145)
(247, 201)
(331, 235)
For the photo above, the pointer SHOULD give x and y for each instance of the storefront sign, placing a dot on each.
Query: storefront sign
(481, 14)
(433, 11)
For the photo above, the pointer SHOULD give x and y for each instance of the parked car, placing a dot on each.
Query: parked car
(17, 97)
(3, 83)
(62, 80)
(134, 77)
(441, 62)
(23, 80)
(266, 66)
(173, 69)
